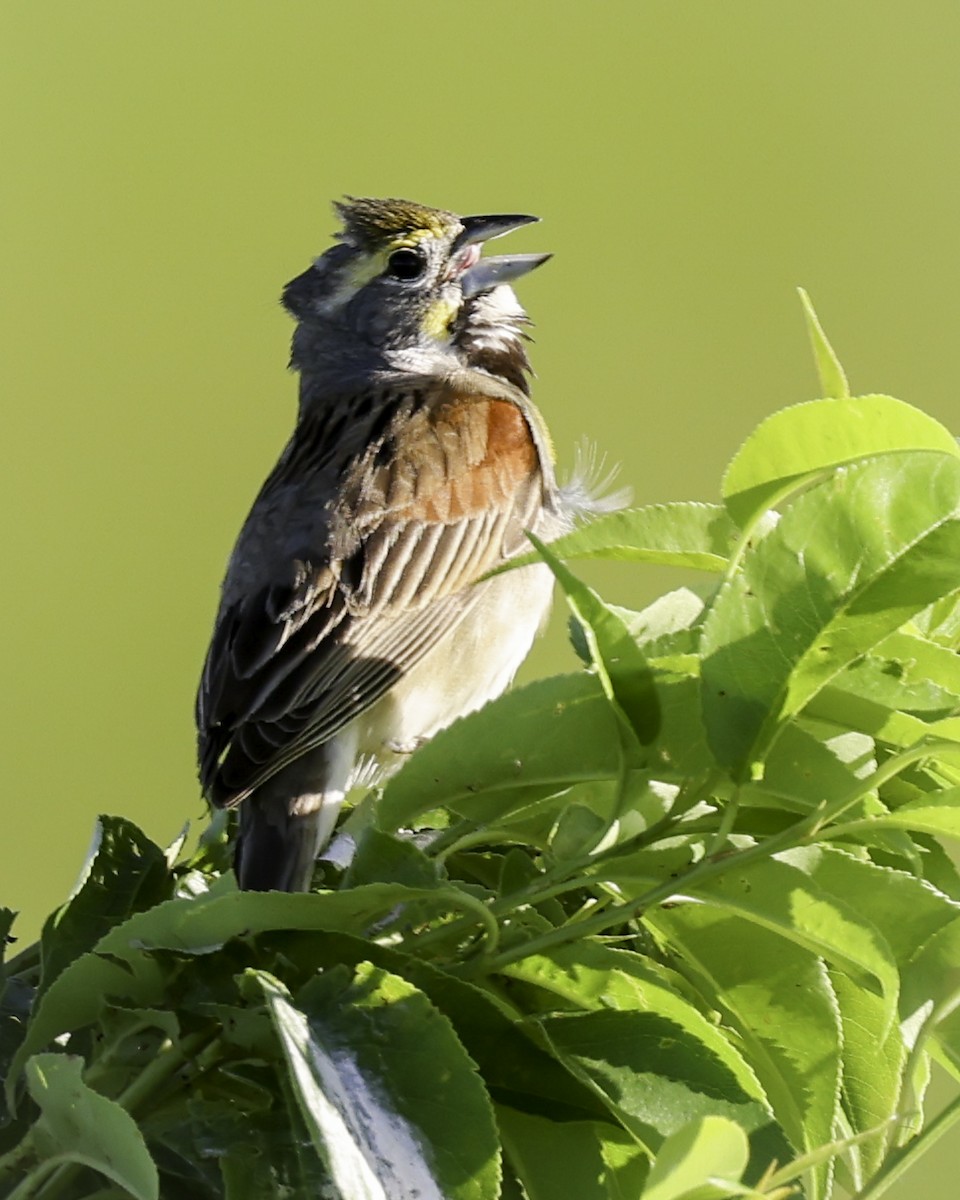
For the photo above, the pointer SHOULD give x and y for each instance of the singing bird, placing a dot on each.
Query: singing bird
(355, 620)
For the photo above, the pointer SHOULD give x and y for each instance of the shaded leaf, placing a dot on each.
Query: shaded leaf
(122, 968)
(78, 1125)
(125, 873)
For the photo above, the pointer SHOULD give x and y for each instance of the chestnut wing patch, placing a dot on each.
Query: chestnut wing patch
(439, 496)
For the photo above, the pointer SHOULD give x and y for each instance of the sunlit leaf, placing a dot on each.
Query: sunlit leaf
(708, 1151)
(797, 443)
(847, 565)
(778, 998)
(833, 381)
(681, 534)
(590, 1160)
(544, 736)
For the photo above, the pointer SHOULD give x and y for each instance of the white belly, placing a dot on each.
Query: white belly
(473, 664)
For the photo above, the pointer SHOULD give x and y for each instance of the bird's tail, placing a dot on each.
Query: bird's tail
(276, 849)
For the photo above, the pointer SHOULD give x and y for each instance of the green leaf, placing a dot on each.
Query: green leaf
(931, 993)
(833, 381)
(873, 1062)
(681, 534)
(778, 998)
(380, 858)
(938, 814)
(904, 910)
(392, 1102)
(797, 896)
(618, 660)
(509, 1059)
(808, 764)
(531, 742)
(711, 1150)
(592, 976)
(16, 1000)
(846, 565)
(589, 1160)
(792, 446)
(78, 1125)
(654, 1076)
(122, 968)
(124, 873)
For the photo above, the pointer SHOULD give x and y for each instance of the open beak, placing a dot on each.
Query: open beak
(482, 274)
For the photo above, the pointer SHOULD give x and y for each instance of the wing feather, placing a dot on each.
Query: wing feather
(440, 492)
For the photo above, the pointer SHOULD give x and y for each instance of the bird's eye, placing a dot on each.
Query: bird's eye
(406, 264)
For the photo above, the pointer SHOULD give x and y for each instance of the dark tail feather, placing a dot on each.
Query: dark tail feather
(276, 851)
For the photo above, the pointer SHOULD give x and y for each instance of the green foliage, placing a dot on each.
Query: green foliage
(680, 925)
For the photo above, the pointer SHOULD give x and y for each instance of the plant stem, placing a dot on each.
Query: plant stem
(805, 830)
(900, 1161)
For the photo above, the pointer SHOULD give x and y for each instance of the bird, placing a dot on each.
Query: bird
(358, 616)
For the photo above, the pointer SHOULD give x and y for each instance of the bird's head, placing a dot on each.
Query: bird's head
(406, 287)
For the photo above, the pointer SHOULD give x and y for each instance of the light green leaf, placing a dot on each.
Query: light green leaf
(670, 614)
(793, 445)
(833, 381)
(931, 993)
(938, 814)
(784, 894)
(591, 976)
(808, 764)
(778, 998)
(680, 534)
(708, 1151)
(393, 1104)
(922, 660)
(846, 565)
(618, 660)
(531, 742)
(77, 1124)
(904, 910)
(589, 1160)
(873, 1062)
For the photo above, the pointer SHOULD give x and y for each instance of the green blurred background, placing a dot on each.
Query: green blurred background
(167, 167)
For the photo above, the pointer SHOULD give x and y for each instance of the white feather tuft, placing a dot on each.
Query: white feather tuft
(588, 490)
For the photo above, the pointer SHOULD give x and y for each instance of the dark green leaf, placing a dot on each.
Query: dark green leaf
(125, 873)
(390, 1097)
